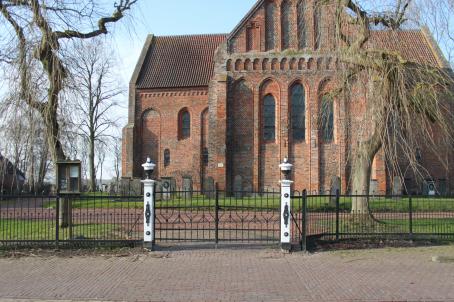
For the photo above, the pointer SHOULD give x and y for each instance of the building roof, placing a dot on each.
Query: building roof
(188, 61)
(412, 45)
(179, 61)
(6, 166)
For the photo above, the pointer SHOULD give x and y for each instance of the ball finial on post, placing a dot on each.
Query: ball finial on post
(286, 168)
(148, 167)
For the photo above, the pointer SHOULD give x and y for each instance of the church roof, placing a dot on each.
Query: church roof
(412, 45)
(188, 60)
(179, 61)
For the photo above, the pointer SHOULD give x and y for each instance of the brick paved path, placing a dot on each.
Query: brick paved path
(234, 275)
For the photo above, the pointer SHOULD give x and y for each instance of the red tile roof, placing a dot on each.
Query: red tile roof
(188, 61)
(179, 61)
(411, 44)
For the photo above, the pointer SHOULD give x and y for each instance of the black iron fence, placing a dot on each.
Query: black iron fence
(54, 220)
(336, 217)
(217, 216)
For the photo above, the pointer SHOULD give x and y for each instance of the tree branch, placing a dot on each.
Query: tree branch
(102, 23)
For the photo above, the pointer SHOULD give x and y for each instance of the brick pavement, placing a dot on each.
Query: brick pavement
(233, 275)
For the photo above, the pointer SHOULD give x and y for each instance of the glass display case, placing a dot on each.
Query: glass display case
(69, 177)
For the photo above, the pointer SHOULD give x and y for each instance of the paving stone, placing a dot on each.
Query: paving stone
(227, 274)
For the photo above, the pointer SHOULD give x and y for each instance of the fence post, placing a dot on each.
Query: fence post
(148, 206)
(410, 216)
(337, 214)
(286, 206)
(216, 215)
(57, 222)
(304, 223)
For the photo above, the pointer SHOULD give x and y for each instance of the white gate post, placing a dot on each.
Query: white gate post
(148, 205)
(286, 206)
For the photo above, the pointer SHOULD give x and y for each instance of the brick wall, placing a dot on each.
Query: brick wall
(157, 114)
(227, 116)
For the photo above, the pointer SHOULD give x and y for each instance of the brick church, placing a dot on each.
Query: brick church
(230, 107)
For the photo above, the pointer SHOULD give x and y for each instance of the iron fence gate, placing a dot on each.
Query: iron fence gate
(220, 216)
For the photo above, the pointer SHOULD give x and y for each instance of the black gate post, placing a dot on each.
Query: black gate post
(410, 217)
(304, 223)
(57, 224)
(337, 214)
(216, 215)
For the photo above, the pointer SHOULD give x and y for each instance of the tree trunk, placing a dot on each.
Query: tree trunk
(361, 172)
(91, 164)
(42, 167)
(58, 154)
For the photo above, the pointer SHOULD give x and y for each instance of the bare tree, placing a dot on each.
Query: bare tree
(24, 142)
(101, 154)
(41, 32)
(117, 162)
(406, 101)
(438, 16)
(97, 89)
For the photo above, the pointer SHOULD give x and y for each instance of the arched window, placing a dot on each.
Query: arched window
(184, 124)
(302, 36)
(166, 157)
(269, 25)
(327, 119)
(298, 109)
(285, 24)
(269, 118)
(318, 19)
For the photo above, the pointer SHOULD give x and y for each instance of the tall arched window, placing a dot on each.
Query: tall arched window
(301, 13)
(318, 20)
(327, 119)
(298, 109)
(269, 118)
(269, 25)
(184, 124)
(285, 24)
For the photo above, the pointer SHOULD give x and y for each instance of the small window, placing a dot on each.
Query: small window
(269, 118)
(327, 119)
(184, 120)
(205, 156)
(166, 157)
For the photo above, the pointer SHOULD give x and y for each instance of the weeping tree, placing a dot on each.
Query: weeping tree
(407, 104)
(40, 34)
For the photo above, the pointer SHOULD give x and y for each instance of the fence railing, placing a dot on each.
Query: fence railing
(218, 216)
(386, 217)
(78, 219)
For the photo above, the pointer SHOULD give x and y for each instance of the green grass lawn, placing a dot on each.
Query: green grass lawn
(387, 226)
(267, 202)
(11, 229)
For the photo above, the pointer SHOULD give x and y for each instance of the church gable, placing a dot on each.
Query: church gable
(279, 25)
